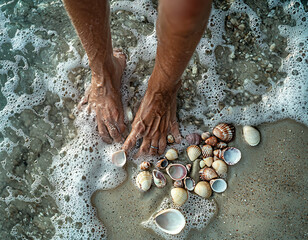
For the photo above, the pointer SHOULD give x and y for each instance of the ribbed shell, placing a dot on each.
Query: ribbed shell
(224, 131)
(144, 180)
(221, 145)
(218, 153)
(205, 135)
(203, 189)
(193, 139)
(211, 141)
(193, 152)
(220, 167)
(172, 154)
(207, 151)
(179, 196)
(207, 174)
(208, 161)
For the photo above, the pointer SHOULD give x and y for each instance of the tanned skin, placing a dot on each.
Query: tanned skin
(180, 25)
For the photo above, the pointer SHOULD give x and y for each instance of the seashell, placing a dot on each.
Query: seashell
(189, 183)
(119, 158)
(178, 184)
(159, 178)
(170, 139)
(207, 174)
(193, 139)
(218, 185)
(220, 167)
(231, 155)
(207, 151)
(172, 154)
(216, 158)
(162, 163)
(218, 153)
(208, 161)
(202, 164)
(179, 196)
(203, 189)
(224, 131)
(170, 221)
(188, 167)
(211, 141)
(176, 171)
(251, 135)
(205, 135)
(145, 165)
(193, 152)
(221, 145)
(144, 180)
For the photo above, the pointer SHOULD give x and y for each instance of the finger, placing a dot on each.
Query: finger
(103, 132)
(162, 144)
(154, 144)
(121, 125)
(130, 140)
(113, 131)
(145, 146)
(176, 132)
(154, 126)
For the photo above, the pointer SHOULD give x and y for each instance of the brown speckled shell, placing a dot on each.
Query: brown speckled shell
(207, 151)
(224, 131)
(207, 174)
(218, 153)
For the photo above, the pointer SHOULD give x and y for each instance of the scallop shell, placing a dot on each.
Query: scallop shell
(159, 178)
(251, 135)
(205, 135)
(224, 131)
(211, 141)
(203, 189)
(179, 196)
(162, 163)
(221, 145)
(170, 221)
(218, 185)
(145, 165)
(189, 183)
(172, 154)
(207, 151)
(193, 139)
(193, 152)
(208, 161)
(170, 139)
(220, 167)
(177, 171)
(119, 158)
(144, 180)
(178, 184)
(207, 174)
(218, 153)
(231, 155)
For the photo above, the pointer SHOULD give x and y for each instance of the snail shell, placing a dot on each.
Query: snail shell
(179, 196)
(220, 167)
(224, 131)
(145, 165)
(178, 184)
(211, 141)
(207, 151)
(221, 145)
(172, 154)
(251, 135)
(205, 135)
(203, 189)
(193, 139)
(170, 139)
(144, 180)
(207, 174)
(193, 152)
(208, 161)
(162, 163)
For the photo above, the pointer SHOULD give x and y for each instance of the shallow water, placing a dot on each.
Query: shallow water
(249, 68)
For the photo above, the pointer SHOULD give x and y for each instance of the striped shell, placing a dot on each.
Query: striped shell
(208, 161)
(145, 165)
(211, 141)
(221, 145)
(207, 151)
(224, 131)
(144, 180)
(218, 153)
(205, 135)
(179, 196)
(193, 152)
(207, 174)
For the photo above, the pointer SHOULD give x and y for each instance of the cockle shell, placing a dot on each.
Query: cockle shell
(162, 163)
(251, 135)
(144, 180)
(231, 155)
(218, 153)
(224, 131)
(170, 139)
(170, 221)
(205, 135)
(172, 154)
(220, 167)
(193, 152)
(203, 189)
(178, 184)
(193, 139)
(179, 196)
(189, 183)
(145, 165)
(208, 161)
(176, 171)
(207, 151)
(207, 174)
(211, 141)
(221, 145)
(119, 158)
(218, 185)
(159, 178)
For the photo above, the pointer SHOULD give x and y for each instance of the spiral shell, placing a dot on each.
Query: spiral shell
(179, 196)
(178, 184)
(207, 174)
(172, 154)
(193, 152)
(208, 161)
(203, 189)
(218, 153)
(207, 151)
(144, 180)
(224, 131)
(162, 163)
(220, 167)
(211, 141)
(205, 135)
(170, 139)
(145, 165)
(221, 145)
(193, 139)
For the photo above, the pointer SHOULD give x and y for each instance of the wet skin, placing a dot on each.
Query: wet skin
(180, 25)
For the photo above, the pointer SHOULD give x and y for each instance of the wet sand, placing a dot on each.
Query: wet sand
(266, 196)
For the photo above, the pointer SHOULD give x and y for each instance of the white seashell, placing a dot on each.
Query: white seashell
(207, 151)
(208, 161)
(207, 174)
(218, 185)
(178, 184)
(159, 179)
(251, 135)
(129, 114)
(162, 163)
(170, 139)
(203, 189)
(212, 141)
(170, 221)
(216, 158)
(205, 135)
(144, 180)
(224, 131)
(179, 196)
(221, 145)
(193, 152)
(119, 158)
(145, 165)
(176, 171)
(202, 164)
(172, 154)
(189, 183)
(220, 167)
(231, 155)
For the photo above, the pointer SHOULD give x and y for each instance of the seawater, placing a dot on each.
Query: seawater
(52, 159)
